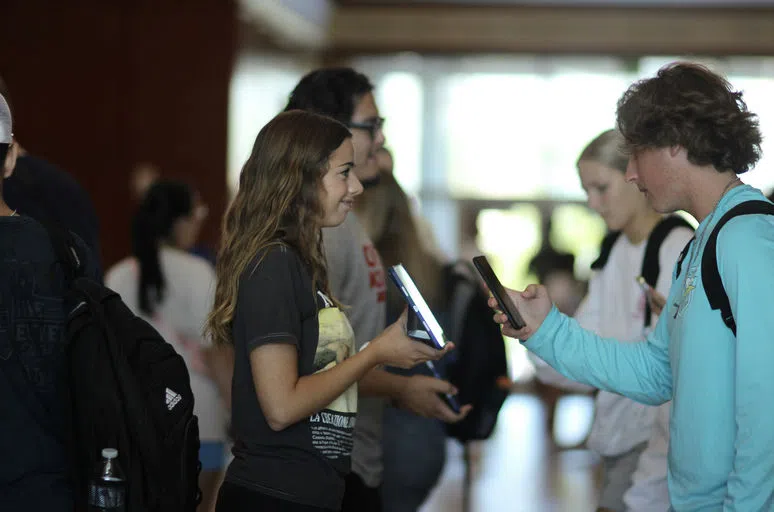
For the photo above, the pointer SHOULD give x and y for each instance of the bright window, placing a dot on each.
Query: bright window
(757, 93)
(399, 96)
(260, 87)
(518, 135)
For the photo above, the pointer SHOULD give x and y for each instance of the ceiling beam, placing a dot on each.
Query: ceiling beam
(290, 24)
(575, 30)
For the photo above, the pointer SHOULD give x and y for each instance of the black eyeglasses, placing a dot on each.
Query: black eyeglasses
(371, 127)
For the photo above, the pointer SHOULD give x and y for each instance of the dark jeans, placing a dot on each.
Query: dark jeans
(235, 498)
(358, 497)
(414, 457)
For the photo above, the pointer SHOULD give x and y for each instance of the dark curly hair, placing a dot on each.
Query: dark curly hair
(688, 105)
(332, 92)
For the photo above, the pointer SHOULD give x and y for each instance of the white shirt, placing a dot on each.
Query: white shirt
(188, 298)
(615, 307)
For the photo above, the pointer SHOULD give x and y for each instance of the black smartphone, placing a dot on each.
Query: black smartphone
(506, 304)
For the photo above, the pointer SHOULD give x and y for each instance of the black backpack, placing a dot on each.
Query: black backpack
(478, 364)
(128, 390)
(710, 275)
(651, 268)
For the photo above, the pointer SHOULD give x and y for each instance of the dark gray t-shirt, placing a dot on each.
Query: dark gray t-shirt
(308, 461)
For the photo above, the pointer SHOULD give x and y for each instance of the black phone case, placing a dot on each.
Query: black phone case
(486, 272)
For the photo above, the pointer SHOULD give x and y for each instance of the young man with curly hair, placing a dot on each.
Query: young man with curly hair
(690, 136)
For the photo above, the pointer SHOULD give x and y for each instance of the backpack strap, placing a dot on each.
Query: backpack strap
(651, 266)
(66, 252)
(710, 275)
(604, 250)
(682, 256)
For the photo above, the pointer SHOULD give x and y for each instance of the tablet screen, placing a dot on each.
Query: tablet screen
(411, 293)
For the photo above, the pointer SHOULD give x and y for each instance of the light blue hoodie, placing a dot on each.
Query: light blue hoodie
(721, 453)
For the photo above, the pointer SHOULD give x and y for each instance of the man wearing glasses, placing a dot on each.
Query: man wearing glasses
(357, 279)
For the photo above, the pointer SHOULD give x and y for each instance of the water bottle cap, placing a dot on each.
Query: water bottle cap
(110, 453)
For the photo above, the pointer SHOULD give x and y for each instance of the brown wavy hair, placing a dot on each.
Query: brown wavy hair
(277, 203)
(688, 105)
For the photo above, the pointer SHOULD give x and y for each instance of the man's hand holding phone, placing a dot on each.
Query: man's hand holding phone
(508, 304)
(533, 303)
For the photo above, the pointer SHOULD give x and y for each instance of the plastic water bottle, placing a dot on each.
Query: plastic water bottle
(107, 488)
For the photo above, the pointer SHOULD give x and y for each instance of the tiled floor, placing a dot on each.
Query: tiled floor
(516, 469)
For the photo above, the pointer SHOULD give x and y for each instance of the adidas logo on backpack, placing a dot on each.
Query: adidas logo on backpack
(172, 399)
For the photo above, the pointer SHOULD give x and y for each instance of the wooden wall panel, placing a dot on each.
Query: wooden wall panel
(98, 86)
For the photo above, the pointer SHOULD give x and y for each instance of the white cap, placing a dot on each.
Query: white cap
(110, 453)
(6, 125)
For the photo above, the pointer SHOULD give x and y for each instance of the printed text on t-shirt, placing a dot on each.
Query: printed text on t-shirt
(375, 272)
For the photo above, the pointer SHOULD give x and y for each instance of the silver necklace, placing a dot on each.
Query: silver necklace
(709, 220)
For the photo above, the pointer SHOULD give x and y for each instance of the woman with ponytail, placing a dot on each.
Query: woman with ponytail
(173, 289)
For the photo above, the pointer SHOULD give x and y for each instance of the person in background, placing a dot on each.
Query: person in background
(146, 174)
(142, 177)
(689, 135)
(427, 236)
(35, 470)
(384, 160)
(414, 446)
(296, 363)
(172, 289)
(556, 271)
(615, 306)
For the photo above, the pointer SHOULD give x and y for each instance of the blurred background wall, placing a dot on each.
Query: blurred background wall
(100, 86)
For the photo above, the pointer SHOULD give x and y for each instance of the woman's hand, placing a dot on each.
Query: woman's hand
(534, 304)
(393, 347)
(656, 301)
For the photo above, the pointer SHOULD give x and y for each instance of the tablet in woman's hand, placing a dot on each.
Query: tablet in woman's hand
(435, 337)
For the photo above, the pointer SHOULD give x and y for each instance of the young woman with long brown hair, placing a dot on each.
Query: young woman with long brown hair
(294, 396)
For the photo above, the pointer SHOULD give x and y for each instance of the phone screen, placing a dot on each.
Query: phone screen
(505, 302)
(411, 293)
